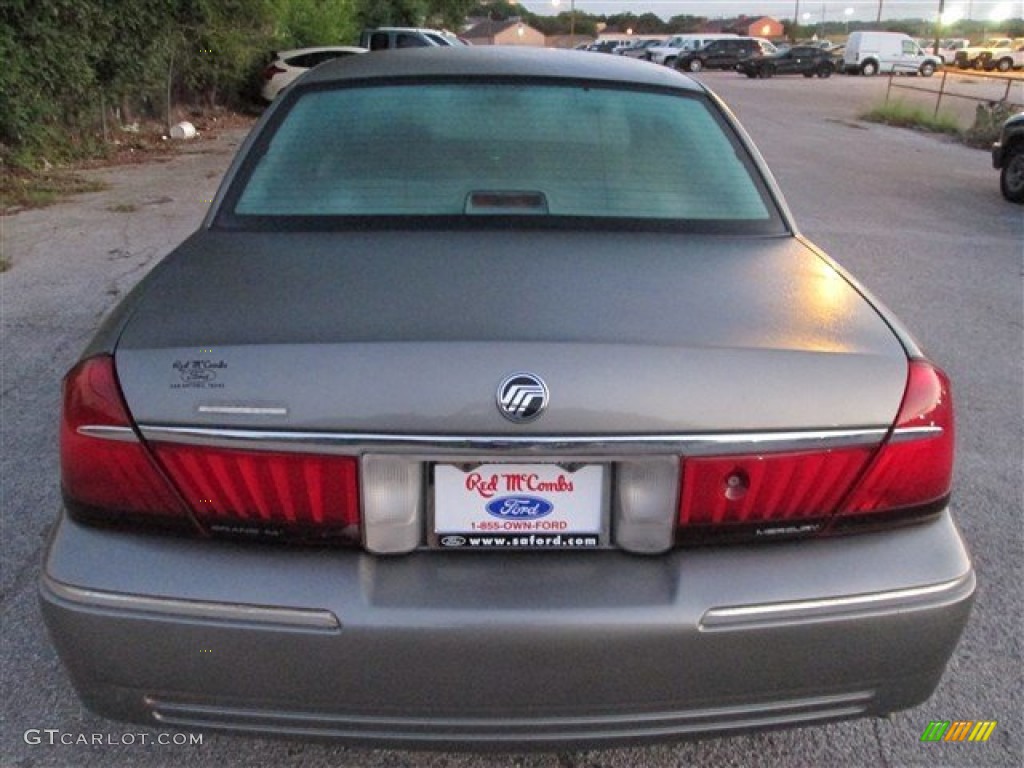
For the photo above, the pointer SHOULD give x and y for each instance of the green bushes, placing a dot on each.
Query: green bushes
(905, 115)
(74, 70)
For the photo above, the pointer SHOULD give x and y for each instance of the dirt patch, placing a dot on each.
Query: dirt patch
(21, 190)
(143, 143)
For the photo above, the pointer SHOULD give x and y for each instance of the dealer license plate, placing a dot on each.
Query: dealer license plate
(519, 506)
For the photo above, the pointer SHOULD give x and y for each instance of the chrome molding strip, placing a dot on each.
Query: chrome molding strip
(244, 410)
(909, 434)
(608, 446)
(294, 618)
(119, 434)
(751, 616)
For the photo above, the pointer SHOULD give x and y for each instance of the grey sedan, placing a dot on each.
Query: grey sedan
(498, 402)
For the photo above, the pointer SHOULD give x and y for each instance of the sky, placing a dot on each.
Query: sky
(864, 10)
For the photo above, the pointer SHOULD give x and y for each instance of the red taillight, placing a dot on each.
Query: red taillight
(289, 489)
(767, 488)
(911, 471)
(103, 463)
(272, 70)
(914, 467)
(107, 470)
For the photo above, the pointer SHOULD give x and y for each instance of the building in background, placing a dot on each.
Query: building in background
(748, 26)
(511, 32)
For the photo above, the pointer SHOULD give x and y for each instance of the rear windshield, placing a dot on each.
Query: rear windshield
(501, 149)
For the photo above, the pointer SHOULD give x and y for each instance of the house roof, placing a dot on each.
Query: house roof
(490, 28)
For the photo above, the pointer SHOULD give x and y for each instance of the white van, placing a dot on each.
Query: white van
(869, 52)
(680, 45)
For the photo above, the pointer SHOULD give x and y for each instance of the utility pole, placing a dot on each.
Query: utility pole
(878, 19)
(938, 27)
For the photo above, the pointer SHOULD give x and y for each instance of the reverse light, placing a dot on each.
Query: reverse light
(103, 464)
(645, 497)
(392, 504)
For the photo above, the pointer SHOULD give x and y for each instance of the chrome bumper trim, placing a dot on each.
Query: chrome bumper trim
(756, 616)
(608, 446)
(294, 618)
(104, 432)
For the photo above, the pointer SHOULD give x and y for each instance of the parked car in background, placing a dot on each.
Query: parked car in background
(1003, 59)
(607, 45)
(815, 42)
(869, 52)
(724, 54)
(798, 60)
(389, 451)
(948, 47)
(288, 65)
(838, 54)
(384, 38)
(972, 57)
(1008, 158)
(638, 48)
(679, 45)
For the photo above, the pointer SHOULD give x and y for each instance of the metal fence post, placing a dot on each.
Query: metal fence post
(942, 90)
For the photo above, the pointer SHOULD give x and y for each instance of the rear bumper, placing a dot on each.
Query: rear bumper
(483, 650)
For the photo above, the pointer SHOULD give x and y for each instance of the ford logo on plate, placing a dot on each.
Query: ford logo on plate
(519, 508)
(453, 541)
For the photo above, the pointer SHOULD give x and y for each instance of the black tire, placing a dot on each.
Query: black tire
(695, 65)
(825, 70)
(766, 71)
(808, 75)
(1011, 179)
(869, 68)
(670, 62)
(927, 69)
(1004, 65)
(751, 75)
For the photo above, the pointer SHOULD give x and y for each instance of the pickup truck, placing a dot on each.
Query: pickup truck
(973, 57)
(1004, 59)
(1008, 158)
(948, 47)
(679, 45)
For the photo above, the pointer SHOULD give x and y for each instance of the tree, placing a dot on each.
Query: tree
(304, 23)
(448, 14)
(391, 13)
(684, 24)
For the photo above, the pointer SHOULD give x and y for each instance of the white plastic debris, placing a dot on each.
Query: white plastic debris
(183, 130)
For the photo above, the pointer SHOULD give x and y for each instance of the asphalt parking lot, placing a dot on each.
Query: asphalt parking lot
(917, 218)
